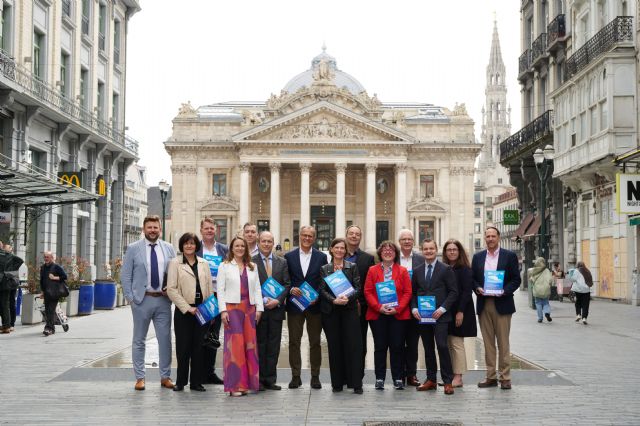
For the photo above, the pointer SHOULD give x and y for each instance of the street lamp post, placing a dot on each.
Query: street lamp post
(544, 166)
(164, 190)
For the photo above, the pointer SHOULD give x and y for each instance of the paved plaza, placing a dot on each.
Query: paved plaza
(568, 374)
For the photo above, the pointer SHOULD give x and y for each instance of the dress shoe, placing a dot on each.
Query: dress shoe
(428, 385)
(178, 388)
(5, 331)
(358, 391)
(261, 387)
(336, 389)
(315, 382)
(448, 389)
(272, 387)
(139, 384)
(213, 379)
(488, 383)
(295, 382)
(412, 381)
(166, 383)
(197, 388)
(505, 384)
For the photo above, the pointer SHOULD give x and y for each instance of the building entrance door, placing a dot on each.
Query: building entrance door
(323, 218)
(382, 231)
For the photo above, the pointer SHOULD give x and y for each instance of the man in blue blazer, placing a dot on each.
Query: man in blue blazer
(304, 264)
(143, 274)
(214, 253)
(494, 312)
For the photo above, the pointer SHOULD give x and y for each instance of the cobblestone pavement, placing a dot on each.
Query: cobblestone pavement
(589, 376)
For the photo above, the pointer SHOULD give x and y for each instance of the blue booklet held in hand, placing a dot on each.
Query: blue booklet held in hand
(208, 310)
(387, 294)
(214, 262)
(493, 283)
(308, 295)
(426, 308)
(339, 284)
(272, 288)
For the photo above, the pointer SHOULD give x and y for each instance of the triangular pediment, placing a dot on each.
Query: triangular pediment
(426, 205)
(322, 121)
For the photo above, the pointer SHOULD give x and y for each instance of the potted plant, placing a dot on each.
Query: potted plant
(29, 313)
(78, 274)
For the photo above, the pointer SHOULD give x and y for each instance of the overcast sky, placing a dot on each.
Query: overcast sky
(207, 51)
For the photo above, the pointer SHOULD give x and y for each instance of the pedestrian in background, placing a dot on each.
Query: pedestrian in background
(464, 322)
(15, 287)
(9, 283)
(188, 285)
(51, 275)
(541, 280)
(582, 283)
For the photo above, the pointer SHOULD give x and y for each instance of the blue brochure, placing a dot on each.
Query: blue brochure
(410, 273)
(387, 294)
(308, 295)
(214, 262)
(493, 283)
(426, 308)
(272, 288)
(208, 310)
(339, 284)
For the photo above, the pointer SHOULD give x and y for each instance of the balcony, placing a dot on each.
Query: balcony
(66, 8)
(524, 64)
(52, 98)
(617, 31)
(539, 50)
(527, 139)
(556, 33)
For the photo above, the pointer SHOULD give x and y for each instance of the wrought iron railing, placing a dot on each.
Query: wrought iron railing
(102, 41)
(524, 63)
(527, 137)
(539, 47)
(85, 25)
(556, 29)
(616, 31)
(66, 8)
(53, 98)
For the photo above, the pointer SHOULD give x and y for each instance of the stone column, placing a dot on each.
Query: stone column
(341, 222)
(275, 201)
(243, 214)
(401, 198)
(305, 208)
(370, 211)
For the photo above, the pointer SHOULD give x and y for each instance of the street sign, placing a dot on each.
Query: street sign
(511, 217)
(628, 193)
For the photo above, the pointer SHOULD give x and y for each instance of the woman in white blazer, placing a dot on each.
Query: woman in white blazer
(188, 285)
(240, 302)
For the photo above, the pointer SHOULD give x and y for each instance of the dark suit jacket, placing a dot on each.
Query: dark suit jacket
(280, 273)
(507, 262)
(220, 248)
(350, 270)
(443, 286)
(363, 261)
(464, 304)
(313, 274)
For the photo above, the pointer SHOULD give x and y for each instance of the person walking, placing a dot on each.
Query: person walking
(582, 283)
(540, 280)
(188, 285)
(240, 304)
(341, 322)
(388, 324)
(9, 283)
(51, 275)
(463, 311)
(143, 279)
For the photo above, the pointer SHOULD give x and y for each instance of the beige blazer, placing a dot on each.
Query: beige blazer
(181, 283)
(229, 286)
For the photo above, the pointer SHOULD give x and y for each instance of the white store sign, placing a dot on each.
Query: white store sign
(5, 218)
(628, 193)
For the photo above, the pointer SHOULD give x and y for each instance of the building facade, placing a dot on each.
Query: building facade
(324, 152)
(135, 203)
(62, 97)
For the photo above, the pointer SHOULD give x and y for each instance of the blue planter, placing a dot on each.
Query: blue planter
(104, 295)
(85, 300)
(18, 302)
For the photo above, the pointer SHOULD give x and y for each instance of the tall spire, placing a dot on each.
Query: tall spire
(496, 54)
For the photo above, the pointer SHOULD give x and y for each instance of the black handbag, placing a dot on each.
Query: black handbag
(56, 290)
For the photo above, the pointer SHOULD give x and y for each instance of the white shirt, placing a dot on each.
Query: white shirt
(161, 262)
(213, 252)
(407, 262)
(305, 259)
(255, 251)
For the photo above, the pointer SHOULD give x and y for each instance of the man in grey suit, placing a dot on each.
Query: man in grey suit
(143, 274)
(269, 330)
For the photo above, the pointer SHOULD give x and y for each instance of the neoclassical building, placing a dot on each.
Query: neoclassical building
(324, 152)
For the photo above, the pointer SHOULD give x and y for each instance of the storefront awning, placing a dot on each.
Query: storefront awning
(524, 224)
(533, 229)
(30, 188)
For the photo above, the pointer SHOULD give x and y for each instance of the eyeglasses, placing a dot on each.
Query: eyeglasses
(388, 250)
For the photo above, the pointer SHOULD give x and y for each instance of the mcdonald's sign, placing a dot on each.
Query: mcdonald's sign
(70, 178)
(101, 186)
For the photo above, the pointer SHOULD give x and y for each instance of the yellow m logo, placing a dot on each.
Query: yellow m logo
(71, 179)
(101, 187)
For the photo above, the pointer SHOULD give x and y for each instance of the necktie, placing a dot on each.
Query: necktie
(267, 266)
(429, 271)
(155, 278)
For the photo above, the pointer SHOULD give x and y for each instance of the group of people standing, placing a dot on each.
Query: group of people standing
(153, 277)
